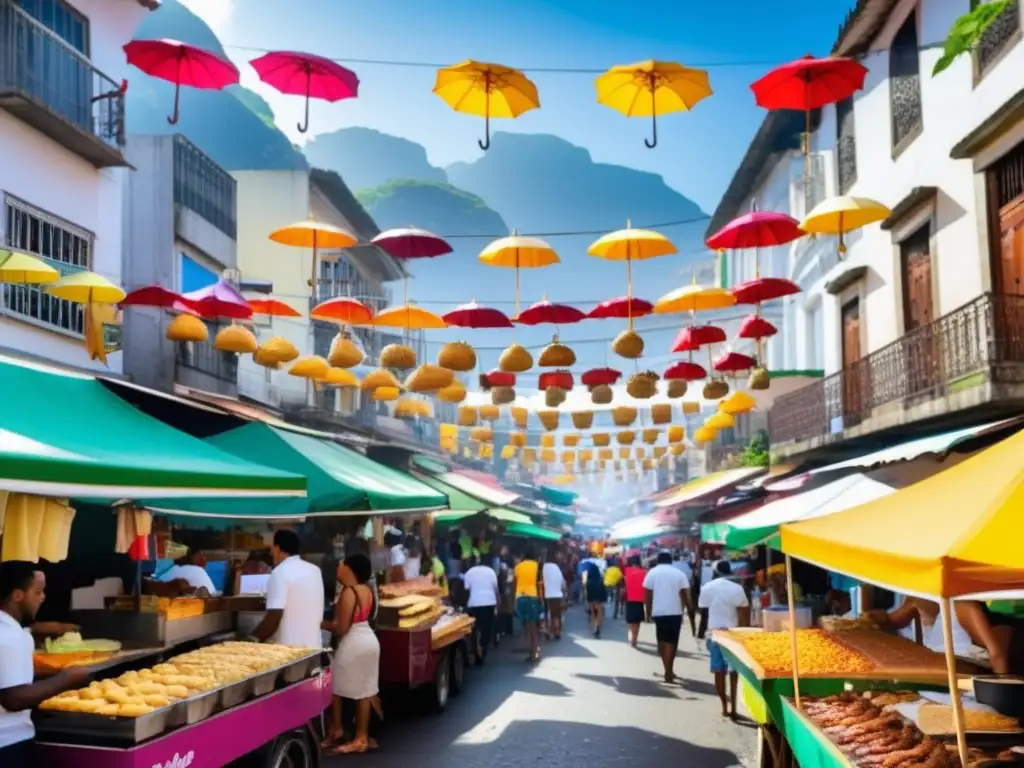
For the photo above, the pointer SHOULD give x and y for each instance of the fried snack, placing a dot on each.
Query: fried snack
(117, 697)
(157, 701)
(937, 719)
(817, 653)
(108, 710)
(133, 710)
(177, 692)
(92, 693)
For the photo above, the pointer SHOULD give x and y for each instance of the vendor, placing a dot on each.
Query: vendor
(295, 597)
(22, 591)
(970, 626)
(192, 570)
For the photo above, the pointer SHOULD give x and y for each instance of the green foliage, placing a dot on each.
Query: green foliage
(756, 453)
(967, 31)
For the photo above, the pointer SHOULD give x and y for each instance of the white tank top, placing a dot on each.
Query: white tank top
(933, 639)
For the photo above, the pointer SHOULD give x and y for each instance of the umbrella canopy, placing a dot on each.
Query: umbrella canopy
(408, 316)
(154, 296)
(764, 289)
(694, 298)
(693, 337)
(86, 287)
(756, 327)
(720, 420)
(684, 370)
(631, 245)
(758, 229)
(839, 215)
(304, 74)
(652, 88)
(219, 300)
(473, 315)
(733, 362)
(181, 64)
(809, 83)
(621, 308)
(954, 533)
(343, 310)
(519, 252)
(487, 90)
(738, 402)
(17, 268)
(597, 376)
(272, 307)
(546, 312)
(313, 234)
(411, 243)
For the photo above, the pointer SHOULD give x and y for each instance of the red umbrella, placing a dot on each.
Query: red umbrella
(412, 243)
(696, 336)
(685, 370)
(598, 376)
(272, 307)
(181, 64)
(621, 307)
(219, 300)
(343, 309)
(756, 327)
(764, 289)
(153, 296)
(474, 315)
(759, 229)
(497, 378)
(560, 379)
(546, 312)
(732, 362)
(303, 74)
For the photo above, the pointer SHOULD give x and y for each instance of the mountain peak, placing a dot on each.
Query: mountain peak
(368, 158)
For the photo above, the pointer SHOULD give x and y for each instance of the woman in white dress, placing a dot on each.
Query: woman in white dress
(356, 664)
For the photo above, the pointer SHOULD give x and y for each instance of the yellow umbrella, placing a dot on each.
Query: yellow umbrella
(488, 90)
(17, 268)
(313, 234)
(737, 402)
(720, 420)
(839, 215)
(649, 88)
(339, 377)
(694, 298)
(631, 245)
(409, 317)
(519, 252)
(85, 288)
(704, 434)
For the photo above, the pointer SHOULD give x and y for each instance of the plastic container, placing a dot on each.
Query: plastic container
(776, 618)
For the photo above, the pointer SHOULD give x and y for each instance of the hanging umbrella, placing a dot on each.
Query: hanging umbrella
(519, 252)
(684, 370)
(474, 315)
(649, 88)
(808, 84)
(595, 377)
(154, 296)
(757, 229)
(621, 307)
(219, 300)
(17, 268)
(734, 362)
(764, 289)
(272, 308)
(303, 74)
(694, 298)
(693, 337)
(409, 317)
(344, 310)
(839, 215)
(411, 243)
(738, 402)
(314, 235)
(487, 90)
(720, 420)
(546, 312)
(631, 245)
(86, 288)
(756, 327)
(181, 64)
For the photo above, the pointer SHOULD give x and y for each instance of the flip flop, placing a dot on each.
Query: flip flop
(350, 748)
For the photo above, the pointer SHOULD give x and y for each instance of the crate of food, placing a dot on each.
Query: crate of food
(406, 610)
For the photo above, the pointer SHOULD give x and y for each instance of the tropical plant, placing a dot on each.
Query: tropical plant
(756, 453)
(967, 31)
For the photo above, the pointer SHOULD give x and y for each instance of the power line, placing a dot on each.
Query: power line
(574, 233)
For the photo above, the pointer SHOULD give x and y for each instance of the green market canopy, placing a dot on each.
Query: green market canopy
(341, 481)
(66, 435)
(531, 531)
(464, 505)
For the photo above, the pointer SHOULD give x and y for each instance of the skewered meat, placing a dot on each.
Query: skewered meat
(916, 754)
(863, 717)
(885, 720)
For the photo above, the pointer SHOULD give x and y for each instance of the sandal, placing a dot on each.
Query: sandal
(353, 747)
(331, 741)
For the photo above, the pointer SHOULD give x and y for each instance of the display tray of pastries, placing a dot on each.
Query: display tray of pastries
(141, 704)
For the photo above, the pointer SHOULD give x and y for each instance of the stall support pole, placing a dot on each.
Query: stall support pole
(792, 635)
(946, 609)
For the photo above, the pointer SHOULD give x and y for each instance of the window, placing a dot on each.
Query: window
(905, 85)
(846, 145)
(62, 245)
(1002, 35)
(62, 20)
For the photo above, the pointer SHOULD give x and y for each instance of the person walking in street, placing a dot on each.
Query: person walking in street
(636, 609)
(613, 584)
(482, 584)
(680, 562)
(554, 594)
(596, 594)
(506, 597)
(667, 593)
(528, 596)
(724, 605)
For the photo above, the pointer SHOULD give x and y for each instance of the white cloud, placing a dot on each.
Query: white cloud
(216, 13)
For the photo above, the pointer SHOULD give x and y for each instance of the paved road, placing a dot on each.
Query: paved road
(587, 704)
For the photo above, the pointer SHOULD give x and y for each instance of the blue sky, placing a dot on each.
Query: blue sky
(697, 152)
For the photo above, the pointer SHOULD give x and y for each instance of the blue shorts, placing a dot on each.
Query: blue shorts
(528, 609)
(718, 662)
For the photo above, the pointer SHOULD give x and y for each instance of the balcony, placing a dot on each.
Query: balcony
(204, 187)
(55, 89)
(960, 368)
(202, 366)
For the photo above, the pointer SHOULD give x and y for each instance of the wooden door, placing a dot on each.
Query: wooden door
(920, 342)
(1010, 310)
(853, 376)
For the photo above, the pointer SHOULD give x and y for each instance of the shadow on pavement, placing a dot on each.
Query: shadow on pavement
(631, 686)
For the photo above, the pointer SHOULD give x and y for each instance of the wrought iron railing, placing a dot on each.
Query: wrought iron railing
(205, 358)
(995, 39)
(38, 64)
(204, 187)
(983, 337)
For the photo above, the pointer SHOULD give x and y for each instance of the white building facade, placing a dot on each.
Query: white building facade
(64, 173)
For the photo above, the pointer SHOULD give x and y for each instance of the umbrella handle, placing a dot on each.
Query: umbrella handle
(303, 127)
(486, 143)
(653, 142)
(173, 119)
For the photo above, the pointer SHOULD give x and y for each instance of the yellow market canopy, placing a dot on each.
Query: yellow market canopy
(956, 533)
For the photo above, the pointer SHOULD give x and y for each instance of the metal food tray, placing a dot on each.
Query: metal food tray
(300, 669)
(82, 726)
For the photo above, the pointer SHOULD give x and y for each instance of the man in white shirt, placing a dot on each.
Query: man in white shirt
(191, 570)
(725, 606)
(554, 594)
(22, 591)
(667, 591)
(482, 584)
(295, 597)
